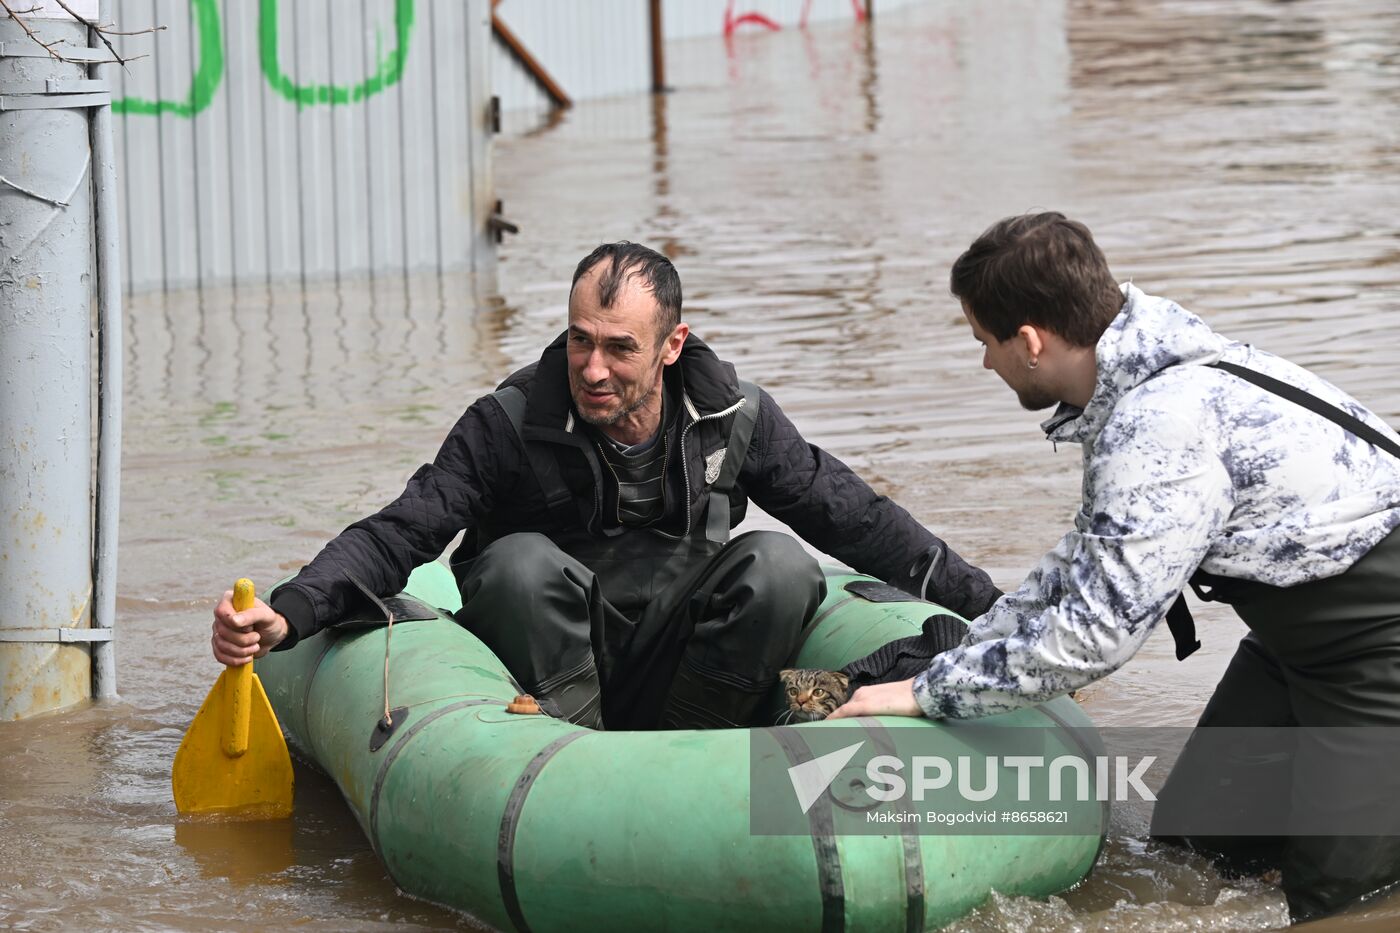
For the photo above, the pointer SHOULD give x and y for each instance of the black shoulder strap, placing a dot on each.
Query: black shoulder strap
(1182, 625)
(513, 401)
(740, 434)
(542, 462)
(1179, 620)
(1313, 404)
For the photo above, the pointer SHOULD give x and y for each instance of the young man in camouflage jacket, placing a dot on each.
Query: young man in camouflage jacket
(1210, 462)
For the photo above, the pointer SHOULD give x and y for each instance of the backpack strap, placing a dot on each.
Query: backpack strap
(740, 435)
(542, 462)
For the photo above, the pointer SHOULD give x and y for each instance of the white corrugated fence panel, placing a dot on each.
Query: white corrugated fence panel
(301, 139)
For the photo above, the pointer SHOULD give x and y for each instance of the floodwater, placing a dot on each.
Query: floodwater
(813, 188)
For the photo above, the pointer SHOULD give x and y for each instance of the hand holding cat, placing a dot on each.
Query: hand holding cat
(894, 699)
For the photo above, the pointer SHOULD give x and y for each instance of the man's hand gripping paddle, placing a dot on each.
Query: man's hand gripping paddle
(233, 760)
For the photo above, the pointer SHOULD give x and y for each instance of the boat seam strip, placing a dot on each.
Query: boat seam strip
(818, 620)
(914, 893)
(823, 832)
(1089, 753)
(393, 754)
(510, 820)
(328, 642)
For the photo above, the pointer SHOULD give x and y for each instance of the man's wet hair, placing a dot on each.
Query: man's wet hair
(655, 271)
(1041, 269)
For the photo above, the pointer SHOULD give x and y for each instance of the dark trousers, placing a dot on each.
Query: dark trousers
(702, 652)
(1302, 736)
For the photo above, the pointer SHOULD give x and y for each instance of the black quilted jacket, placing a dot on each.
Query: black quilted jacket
(481, 482)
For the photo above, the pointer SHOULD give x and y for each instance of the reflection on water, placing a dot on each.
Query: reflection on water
(241, 851)
(813, 189)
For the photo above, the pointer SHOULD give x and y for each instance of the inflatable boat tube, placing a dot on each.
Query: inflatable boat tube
(524, 822)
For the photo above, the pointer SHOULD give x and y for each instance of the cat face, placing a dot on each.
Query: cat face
(811, 695)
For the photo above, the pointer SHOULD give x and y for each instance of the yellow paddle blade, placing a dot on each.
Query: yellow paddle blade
(233, 759)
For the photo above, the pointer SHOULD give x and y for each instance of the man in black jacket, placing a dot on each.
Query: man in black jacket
(597, 489)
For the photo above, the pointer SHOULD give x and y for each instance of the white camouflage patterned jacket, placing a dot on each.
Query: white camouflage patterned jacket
(1184, 466)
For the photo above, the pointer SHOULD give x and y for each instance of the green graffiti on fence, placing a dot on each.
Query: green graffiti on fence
(206, 77)
(388, 72)
(210, 72)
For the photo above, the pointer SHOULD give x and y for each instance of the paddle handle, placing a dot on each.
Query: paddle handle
(238, 685)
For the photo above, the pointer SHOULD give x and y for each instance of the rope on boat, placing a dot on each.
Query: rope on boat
(388, 721)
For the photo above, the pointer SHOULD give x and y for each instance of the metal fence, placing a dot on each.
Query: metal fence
(277, 140)
(602, 48)
(311, 139)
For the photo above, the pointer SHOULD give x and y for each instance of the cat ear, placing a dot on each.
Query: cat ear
(784, 675)
(845, 681)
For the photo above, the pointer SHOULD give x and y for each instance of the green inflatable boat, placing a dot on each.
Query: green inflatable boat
(524, 822)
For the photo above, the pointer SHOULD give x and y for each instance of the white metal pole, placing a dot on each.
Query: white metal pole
(45, 369)
(109, 378)
(479, 142)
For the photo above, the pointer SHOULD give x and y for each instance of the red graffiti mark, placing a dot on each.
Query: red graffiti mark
(732, 22)
(856, 5)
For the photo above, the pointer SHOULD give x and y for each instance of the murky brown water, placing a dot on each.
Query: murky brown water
(813, 188)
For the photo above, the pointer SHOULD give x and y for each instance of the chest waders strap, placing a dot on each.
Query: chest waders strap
(717, 513)
(1179, 620)
(542, 462)
(1182, 625)
(1345, 420)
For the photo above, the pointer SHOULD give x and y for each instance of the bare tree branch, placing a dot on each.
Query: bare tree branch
(47, 46)
(53, 48)
(69, 10)
(104, 31)
(108, 30)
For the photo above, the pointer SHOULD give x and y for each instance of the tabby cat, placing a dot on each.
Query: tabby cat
(811, 695)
